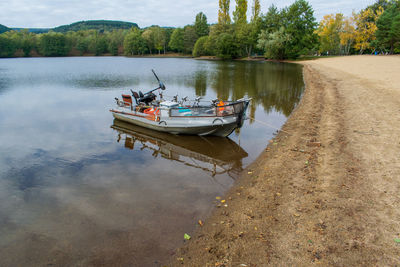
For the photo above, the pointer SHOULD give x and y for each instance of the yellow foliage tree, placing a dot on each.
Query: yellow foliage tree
(223, 12)
(347, 35)
(366, 28)
(329, 30)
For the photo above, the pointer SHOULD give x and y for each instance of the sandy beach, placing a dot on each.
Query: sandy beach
(325, 191)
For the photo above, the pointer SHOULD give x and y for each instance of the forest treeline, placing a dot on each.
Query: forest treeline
(284, 33)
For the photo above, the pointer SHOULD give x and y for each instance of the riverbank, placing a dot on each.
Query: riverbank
(325, 190)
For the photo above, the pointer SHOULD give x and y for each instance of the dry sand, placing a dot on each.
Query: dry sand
(326, 191)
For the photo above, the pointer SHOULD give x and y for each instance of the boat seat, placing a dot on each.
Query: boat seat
(141, 98)
(127, 100)
(136, 96)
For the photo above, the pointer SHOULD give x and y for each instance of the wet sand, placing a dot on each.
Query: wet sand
(326, 190)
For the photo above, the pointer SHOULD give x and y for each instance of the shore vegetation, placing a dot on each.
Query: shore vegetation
(286, 33)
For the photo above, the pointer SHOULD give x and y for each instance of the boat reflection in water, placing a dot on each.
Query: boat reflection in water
(214, 155)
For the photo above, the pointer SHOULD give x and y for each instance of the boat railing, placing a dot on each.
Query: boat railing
(228, 109)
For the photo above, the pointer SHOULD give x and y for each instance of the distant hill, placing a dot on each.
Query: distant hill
(34, 30)
(100, 25)
(4, 28)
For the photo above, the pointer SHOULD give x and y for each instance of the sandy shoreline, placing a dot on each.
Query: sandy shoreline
(326, 190)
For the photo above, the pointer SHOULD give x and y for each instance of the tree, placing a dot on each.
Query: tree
(83, 45)
(255, 10)
(223, 12)
(134, 43)
(225, 46)
(347, 35)
(272, 20)
(53, 44)
(274, 44)
(200, 25)
(115, 40)
(366, 28)
(149, 39)
(246, 37)
(159, 39)
(177, 43)
(200, 48)
(7, 46)
(329, 30)
(300, 25)
(189, 38)
(388, 24)
(97, 43)
(239, 15)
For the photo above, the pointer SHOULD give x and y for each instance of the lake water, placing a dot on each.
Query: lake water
(77, 188)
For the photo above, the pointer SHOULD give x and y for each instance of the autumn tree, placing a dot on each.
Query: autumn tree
(255, 10)
(223, 12)
(329, 30)
(347, 35)
(365, 28)
(239, 15)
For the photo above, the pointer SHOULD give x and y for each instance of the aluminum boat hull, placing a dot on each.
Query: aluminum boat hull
(193, 126)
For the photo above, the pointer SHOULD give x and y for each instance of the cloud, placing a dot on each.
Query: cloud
(52, 13)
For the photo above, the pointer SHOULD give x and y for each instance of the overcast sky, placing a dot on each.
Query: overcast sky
(175, 13)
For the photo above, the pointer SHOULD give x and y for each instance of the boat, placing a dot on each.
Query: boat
(213, 155)
(215, 117)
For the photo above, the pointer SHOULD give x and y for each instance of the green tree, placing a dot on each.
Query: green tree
(134, 43)
(275, 43)
(200, 25)
(300, 25)
(159, 39)
(223, 12)
(388, 33)
(272, 20)
(53, 44)
(246, 37)
(226, 46)
(148, 36)
(7, 46)
(200, 48)
(189, 38)
(239, 15)
(115, 40)
(177, 43)
(82, 45)
(98, 43)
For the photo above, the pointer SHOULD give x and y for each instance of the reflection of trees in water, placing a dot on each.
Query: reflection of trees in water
(200, 82)
(273, 85)
(5, 83)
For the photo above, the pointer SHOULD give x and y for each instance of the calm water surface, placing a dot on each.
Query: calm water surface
(77, 188)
